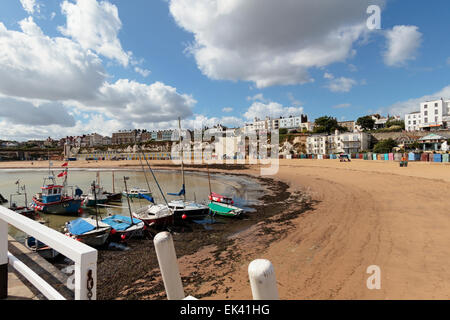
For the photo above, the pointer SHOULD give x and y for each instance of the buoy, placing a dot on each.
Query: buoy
(184, 216)
(123, 237)
(113, 231)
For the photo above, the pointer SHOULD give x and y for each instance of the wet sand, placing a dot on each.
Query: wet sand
(323, 223)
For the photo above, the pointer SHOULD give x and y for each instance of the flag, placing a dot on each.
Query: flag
(65, 164)
(62, 174)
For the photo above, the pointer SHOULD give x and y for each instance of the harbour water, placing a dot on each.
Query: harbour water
(244, 192)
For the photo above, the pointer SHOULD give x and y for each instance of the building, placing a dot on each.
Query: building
(413, 121)
(347, 142)
(433, 115)
(350, 125)
(269, 124)
(124, 137)
(434, 142)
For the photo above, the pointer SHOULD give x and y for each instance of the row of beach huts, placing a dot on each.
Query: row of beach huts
(427, 157)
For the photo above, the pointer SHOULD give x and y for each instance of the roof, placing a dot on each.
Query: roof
(434, 136)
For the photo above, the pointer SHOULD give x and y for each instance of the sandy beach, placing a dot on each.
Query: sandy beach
(361, 213)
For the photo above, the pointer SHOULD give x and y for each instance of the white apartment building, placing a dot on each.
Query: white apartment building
(432, 115)
(348, 142)
(270, 124)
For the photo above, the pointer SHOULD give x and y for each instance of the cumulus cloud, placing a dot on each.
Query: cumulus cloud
(227, 109)
(341, 84)
(24, 112)
(270, 42)
(271, 109)
(30, 6)
(143, 72)
(402, 45)
(35, 66)
(135, 102)
(95, 25)
(403, 107)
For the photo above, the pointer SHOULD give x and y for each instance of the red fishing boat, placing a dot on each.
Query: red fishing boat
(219, 198)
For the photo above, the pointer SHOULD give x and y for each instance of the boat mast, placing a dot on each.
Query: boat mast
(114, 189)
(128, 199)
(143, 170)
(95, 203)
(182, 163)
(159, 187)
(209, 179)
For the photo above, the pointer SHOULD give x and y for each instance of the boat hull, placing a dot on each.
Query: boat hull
(65, 207)
(92, 203)
(41, 248)
(96, 239)
(190, 214)
(224, 210)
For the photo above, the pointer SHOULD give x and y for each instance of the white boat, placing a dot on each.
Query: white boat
(155, 215)
(134, 193)
(188, 210)
(88, 231)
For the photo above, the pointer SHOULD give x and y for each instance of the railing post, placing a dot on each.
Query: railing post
(3, 259)
(262, 280)
(167, 259)
(86, 277)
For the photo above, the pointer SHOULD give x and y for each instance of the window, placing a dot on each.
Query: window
(425, 113)
(426, 120)
(414, 122)
(425, 106)
(436, 104)
(436, 111)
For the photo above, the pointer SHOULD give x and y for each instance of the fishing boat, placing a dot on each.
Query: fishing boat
(123, 228)
(220, 205)
(41, 248)
(54, 198)
(23, 210)
(219, 198)
(96, 196)
(113, 197)
(92, 232)
(136, 193)
(182, 209)
(226, 210)
(155, 215)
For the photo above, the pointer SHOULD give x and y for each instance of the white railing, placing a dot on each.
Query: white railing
(85, 257)
(261, 272)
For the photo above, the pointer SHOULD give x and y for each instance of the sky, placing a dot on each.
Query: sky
(76, 67)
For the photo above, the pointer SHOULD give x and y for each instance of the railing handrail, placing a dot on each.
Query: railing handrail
(85, 257)
(67, 246)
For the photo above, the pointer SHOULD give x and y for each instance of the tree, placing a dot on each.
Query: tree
(366, 123)
(385, 146)
(399, 123)
(283, 131)
(327, 124)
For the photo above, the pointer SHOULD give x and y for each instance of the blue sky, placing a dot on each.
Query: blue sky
(281, 76)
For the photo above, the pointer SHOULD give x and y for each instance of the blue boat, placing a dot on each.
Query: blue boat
(123, 228)
(54, 199)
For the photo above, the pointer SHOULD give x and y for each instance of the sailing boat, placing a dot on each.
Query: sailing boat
(219, 206)
(154, 215)
(54, 199)
(23, 210)
(182, 209)
(96, 195)
(124, 228)
(92, 232)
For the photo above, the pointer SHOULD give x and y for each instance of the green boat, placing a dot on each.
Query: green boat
(225, 210)
(137, 193)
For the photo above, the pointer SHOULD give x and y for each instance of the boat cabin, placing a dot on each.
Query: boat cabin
(51, 193)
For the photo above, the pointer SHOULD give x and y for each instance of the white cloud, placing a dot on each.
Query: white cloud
(402, 45)
(257, 97)
(143, 72)
(133, 102)
(227, 109)
(411, 105)
(341, 84)
(341, 106)
(95, 26)
(270, 42)
(35, 66)
(24, 112)
(30, 6)
(272, 109)
(328, 76)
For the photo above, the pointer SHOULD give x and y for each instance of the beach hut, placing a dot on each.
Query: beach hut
(424, 157)
(446, 157)
(374, 156)
(437, 157)
(398, 156)
(413, 156)
(386, 156)
(390, 156)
